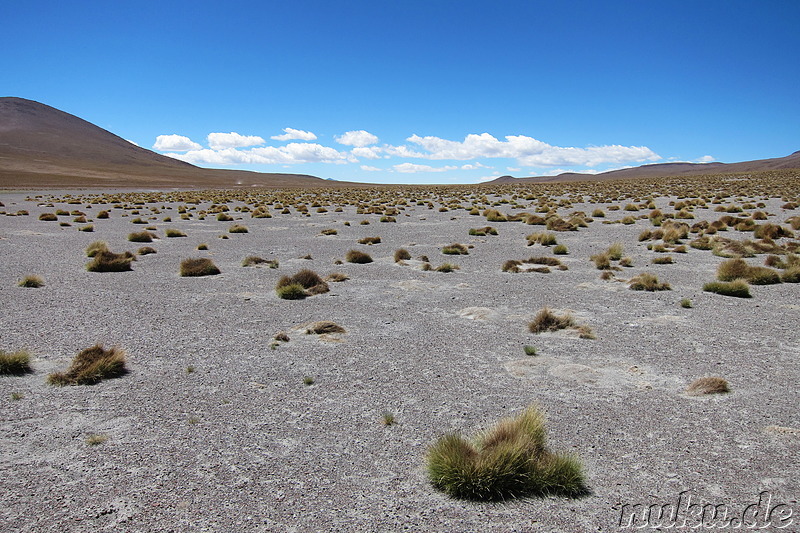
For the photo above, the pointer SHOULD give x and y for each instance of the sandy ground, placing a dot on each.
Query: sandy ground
(242, 444)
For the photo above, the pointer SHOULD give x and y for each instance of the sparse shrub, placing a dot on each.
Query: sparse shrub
(615, 251)
(370, 240)
(86, 229)
(447, 267)
(95, 247)
(146, 250)
(545, 239)
(791, 275)
(337, 277)
(530, 350)
(738, 288)
(293, 291)
(507, 461)
(15, 363)
(31, 281)
(140, 236)
(107, 261)
(601, 261)
(708, 385)
(95, 440)
(48, 217)
(355, 256)
(401, 254)
(560, 249)
(546, 320)
(196, 267)
(172, 232)
(308, 381)
(91, 366)
(686, 303)
(238, 228)
(324, 326)
(329, 231)
(647, 282)
(666, 260)
(224, 217)
(388, 419)
(455, 249)
(202, 246)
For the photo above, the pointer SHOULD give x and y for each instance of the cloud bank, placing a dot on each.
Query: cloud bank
(293, 134)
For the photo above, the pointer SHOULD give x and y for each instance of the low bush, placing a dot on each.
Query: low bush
(647, 282)
(708, 385)
(546, 320)
(401, 254)
(140, 236)
(509, 460)
(146, 250)
(91, 366)
(197, 267)
(31, 281)
(738, 288)
(370, 240)
(15, 363)
(455, 249)
(238, 228)
(107, 261)
(355, 256)
(172, 232)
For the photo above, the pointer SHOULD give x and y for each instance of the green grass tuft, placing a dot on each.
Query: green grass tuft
(738, 288)
(507, 461)
(15, 363)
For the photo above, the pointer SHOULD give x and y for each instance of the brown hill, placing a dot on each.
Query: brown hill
(41, 146)
(668, 169)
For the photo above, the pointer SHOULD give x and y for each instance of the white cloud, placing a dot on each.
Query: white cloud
(219, 141)
(706, 159)
(513, 169)
(372, 169)
(358, 138)
(175, 143)
(473, 166)
(292, 134)
(526, 150)
(410, 168)
(292, 153)
(367, 152)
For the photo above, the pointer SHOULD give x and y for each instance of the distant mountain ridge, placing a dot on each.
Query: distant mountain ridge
(668, 169)
(41, 146)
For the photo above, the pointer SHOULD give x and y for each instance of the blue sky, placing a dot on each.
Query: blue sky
(434, 91)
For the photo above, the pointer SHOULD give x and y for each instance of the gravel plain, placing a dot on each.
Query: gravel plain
(240, 443)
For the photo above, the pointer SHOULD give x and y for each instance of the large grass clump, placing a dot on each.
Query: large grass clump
(547, 320)
(196, 267)
(648, 282)
(355, 256)
(708, 385)
(509, 460)
(737, 268)
(305, 283)
(140, 236)
(107, 261)
(455, 249)
(91, 366)
(15, 363)
(738, 288)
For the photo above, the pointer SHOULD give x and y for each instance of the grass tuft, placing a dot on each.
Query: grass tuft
(708, 385)
(355, 256)
(31, 281)
(738, 288)
(507, 461)
(648, 282)
(15, 363)
(107, 261)
(546, 320)
(197, 267)
(91, 366)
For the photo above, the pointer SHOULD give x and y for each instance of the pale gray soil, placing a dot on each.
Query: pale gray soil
(241, 444)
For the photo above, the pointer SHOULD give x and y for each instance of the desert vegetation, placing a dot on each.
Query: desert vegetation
(197, 267)
(15, 363)
(91, 366)
(509, 460)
